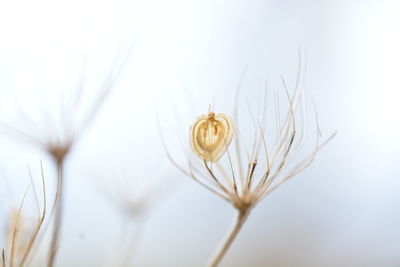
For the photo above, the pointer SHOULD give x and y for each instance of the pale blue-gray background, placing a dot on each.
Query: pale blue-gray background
(185, 55)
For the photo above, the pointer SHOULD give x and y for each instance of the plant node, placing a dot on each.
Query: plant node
(59, 151)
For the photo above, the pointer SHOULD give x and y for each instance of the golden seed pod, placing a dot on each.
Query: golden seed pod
(210, 136)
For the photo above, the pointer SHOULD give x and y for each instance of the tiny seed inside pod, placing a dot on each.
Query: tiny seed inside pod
(210, 136)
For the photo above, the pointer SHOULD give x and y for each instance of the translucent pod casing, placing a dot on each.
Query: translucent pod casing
(210, 136)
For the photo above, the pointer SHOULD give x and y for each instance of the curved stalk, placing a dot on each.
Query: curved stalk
(58, 214)
(232, 234)
(3, 258)
(132, 244)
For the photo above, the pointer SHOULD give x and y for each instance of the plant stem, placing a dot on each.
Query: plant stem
(58, 214)
(3, 258)
(238, 223)
(132, 243)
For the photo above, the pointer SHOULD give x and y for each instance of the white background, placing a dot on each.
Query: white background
(185, 55)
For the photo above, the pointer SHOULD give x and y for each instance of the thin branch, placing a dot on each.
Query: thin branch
(108, 85)
(245, 147)
(252, 167)
(39, 225)
(301, 166)
(190, 174)
(58, 214)
(215, 179)
(231, 166)
(267, 171)
(20, 135)
(236, 120)
(3, 257)
(34, 192)
(254, 151)
(15, 230)
(227, 179)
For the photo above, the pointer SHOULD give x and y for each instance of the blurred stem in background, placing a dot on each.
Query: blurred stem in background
(23, 233)
(133, 196)
(132, 231)
(58, 206)
(57, 135)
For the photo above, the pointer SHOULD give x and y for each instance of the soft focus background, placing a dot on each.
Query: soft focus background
(181, 57)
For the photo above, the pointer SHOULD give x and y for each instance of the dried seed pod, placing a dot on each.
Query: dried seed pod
(210, 136)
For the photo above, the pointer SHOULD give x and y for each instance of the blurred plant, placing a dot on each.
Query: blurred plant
(134, 196)
(57, 134)
(23, 232)
(210, 137)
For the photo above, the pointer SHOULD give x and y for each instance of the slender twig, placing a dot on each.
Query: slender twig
(39, 225)
(132, 244)
(225, 176)
(58, 215)
(252, 167)
(232, 169)
(15, 230)
(35, 196)
(215, 179)
(3, 258)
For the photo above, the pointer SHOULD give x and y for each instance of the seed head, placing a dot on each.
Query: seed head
(210, 136)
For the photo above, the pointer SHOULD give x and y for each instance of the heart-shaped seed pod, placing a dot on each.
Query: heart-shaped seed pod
(211, 135)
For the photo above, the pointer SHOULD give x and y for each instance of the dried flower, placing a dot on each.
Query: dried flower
(267, 165)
